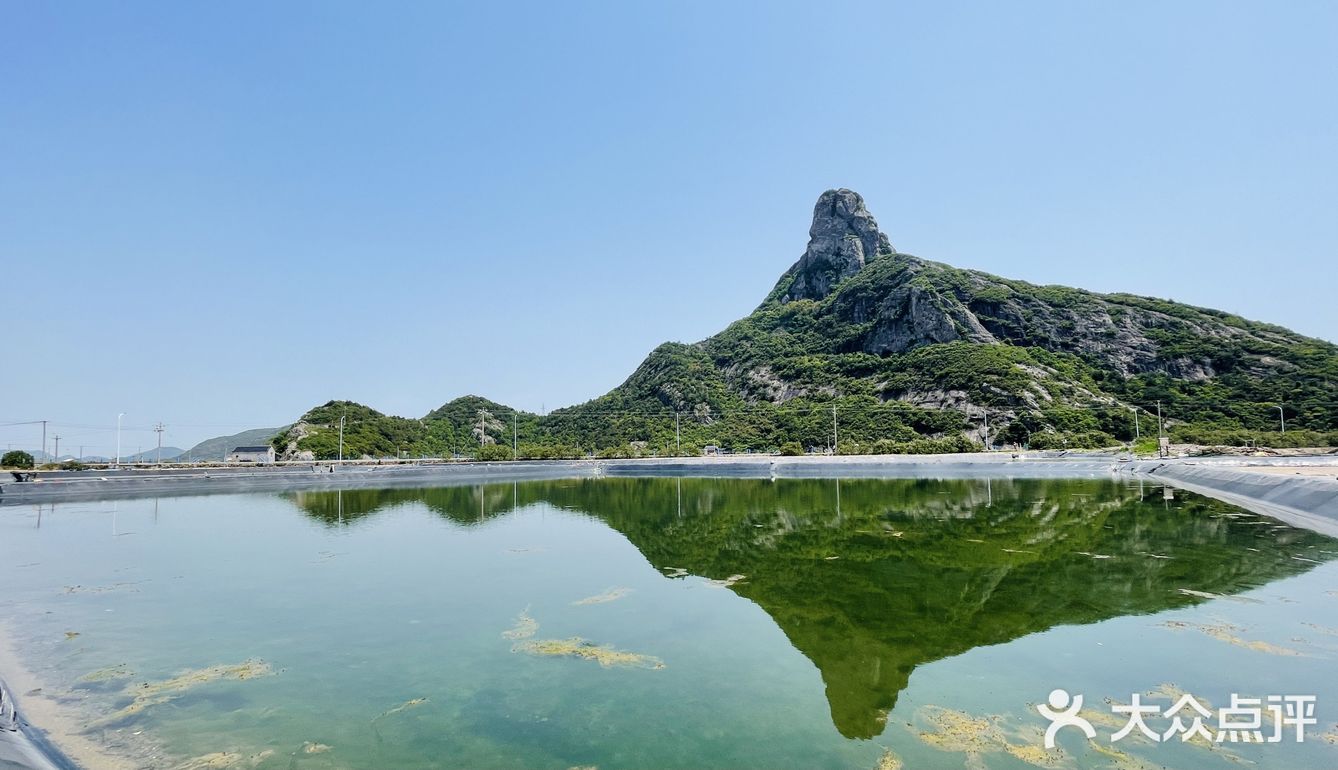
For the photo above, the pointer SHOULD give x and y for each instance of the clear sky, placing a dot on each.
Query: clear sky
(218, 215)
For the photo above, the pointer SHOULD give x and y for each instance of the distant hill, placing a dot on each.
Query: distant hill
(215, 448)
(459, 426)
(895, 353)
(150, 455)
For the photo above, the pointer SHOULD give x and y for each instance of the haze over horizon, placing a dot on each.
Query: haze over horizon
(221, 216)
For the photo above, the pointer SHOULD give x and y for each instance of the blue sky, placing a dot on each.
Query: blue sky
(220, 214)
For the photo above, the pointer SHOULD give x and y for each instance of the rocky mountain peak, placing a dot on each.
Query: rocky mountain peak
(844, 236)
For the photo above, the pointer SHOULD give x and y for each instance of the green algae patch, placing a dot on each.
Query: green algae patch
(405, 706)
(1224, 632)
(150, 694)
(219, 760)
(576, 647)
(888, 761)
(108, 674)
(1121, 760)
(215, 761)
(975, 736)
(525, 627)
(611, 595)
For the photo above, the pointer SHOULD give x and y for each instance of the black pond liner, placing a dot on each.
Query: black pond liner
(35, 751)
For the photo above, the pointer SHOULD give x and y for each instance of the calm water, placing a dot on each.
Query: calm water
(924, 617)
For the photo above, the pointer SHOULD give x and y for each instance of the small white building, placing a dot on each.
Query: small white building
(251, 454)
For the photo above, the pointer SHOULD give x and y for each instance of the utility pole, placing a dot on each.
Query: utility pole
(56, 458)
(986, 412)
(515, 436)
(483, 429)
(835, 450)
(1281, 416)
(678, 437)
(1161, 433)
(81, 453)
(1137, 435)
(341, 435)
(43, 436)
(117, 464)
(159, 430)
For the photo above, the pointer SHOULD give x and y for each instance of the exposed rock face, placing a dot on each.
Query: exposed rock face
(295, 434)
(843, 238)
(907, 302)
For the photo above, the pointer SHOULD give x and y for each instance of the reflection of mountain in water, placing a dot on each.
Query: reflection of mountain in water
(925, 569)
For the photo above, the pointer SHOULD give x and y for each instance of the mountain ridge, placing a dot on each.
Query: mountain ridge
(913, 355)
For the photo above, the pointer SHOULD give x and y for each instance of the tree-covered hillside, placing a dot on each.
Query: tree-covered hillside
(880, 351)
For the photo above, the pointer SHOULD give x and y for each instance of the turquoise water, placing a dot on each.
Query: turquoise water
(921, 617)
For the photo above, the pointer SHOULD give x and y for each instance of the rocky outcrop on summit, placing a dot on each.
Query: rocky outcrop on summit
(844, 237)
(883, 302)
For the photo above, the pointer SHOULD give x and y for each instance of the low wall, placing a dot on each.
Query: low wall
(85, 485)
(1302, 501)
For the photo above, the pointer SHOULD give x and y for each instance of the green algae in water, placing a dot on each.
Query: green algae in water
(1225, 632)
(576, 647)
(107, 674)
(977, 736)
(610, 595)
(224, 760)
(149, 694)
(525, 627)
(405, 706)
(889, 761)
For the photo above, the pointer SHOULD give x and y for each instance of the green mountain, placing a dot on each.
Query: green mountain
(463, 425)
(894, 353)
(216, 448)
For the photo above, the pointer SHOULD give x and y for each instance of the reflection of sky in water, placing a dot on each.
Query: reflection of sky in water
(881, 596)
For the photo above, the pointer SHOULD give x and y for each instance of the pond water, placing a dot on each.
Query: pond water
(667, 623)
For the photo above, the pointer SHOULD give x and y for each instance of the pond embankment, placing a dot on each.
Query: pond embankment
(1300, 495)
(106, 484)
(1298, 490)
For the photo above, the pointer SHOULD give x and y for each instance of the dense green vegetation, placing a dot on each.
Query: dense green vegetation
(16, 458)
(907, 356)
